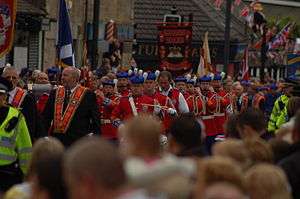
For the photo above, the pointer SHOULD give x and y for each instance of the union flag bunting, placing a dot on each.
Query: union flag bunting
(7, 24)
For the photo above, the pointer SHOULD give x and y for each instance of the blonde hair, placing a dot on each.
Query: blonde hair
(144, 133)
(267, 181)
(44, 147)
(219, 169)
(259, 150)
(234, 149)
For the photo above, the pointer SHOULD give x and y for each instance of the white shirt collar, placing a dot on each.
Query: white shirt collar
(12, 94)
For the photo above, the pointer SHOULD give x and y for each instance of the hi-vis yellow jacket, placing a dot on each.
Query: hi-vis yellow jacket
(15, 144)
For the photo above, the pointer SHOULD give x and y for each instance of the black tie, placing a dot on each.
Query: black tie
(67, 98)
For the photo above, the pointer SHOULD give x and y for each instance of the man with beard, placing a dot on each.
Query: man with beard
(71, 111)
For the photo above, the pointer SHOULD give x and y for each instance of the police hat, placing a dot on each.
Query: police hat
(5, 85)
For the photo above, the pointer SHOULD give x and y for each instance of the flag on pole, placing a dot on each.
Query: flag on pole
(65, 52)
(201, 66)
(245, 65)
(206, 55)
(281, 38)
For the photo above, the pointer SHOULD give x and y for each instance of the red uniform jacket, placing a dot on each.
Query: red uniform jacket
(195, 104)
(124, 110)
(106, 107)
(166, 103)
(223, 101)
(208, 113)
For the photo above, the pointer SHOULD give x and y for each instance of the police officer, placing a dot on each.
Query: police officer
(15, 142)
(279, 108)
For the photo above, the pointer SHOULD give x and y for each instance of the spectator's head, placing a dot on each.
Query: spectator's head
(267, 181)
(223, 190)
(259, 150)
(218, 170)
(164, 79)
(70, 77)
(141, 136)
(228, 149)
(293, 106)
(296, 129)
(230, 127)
(251, 123)
(45, 169)
(42, 78)
(185, 136)
(11, 74)
(93, 169)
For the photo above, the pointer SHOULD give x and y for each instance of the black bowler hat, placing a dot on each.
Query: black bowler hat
(5, 85)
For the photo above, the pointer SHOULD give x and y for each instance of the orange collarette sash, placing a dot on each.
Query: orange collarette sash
(18, 98)
(61, 121)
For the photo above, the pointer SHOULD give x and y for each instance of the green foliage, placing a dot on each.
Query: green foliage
(280, 23)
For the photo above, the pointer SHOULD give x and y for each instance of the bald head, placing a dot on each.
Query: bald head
(70, 77)
(11, 74)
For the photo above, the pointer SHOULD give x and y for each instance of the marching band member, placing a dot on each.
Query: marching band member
(209, 98)
(107, 101)
(180, 84)
(123, 83)
(168, 111)
(223, 101)
(194, 100)
(135, 103)
(165, 88)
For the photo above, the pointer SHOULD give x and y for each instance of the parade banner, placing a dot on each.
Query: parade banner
(7, 23)
(174, 46)
(293, 65)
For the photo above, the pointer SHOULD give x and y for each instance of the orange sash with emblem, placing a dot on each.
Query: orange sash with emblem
(62, 120)
(18, 98)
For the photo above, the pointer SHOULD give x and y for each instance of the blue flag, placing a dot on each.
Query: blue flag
(65, 51)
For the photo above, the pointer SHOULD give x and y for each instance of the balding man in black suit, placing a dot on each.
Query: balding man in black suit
(71, 111)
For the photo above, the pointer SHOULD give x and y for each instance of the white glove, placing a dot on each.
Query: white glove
(171, 111)
(157, 109)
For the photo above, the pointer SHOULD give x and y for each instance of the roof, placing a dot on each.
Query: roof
(23, 6)
(205, 18)
(280, 3)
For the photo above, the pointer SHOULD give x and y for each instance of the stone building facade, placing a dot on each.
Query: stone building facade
(34, 45)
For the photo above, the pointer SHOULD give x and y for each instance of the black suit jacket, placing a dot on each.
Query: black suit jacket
(29, 110)
(85, 120)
